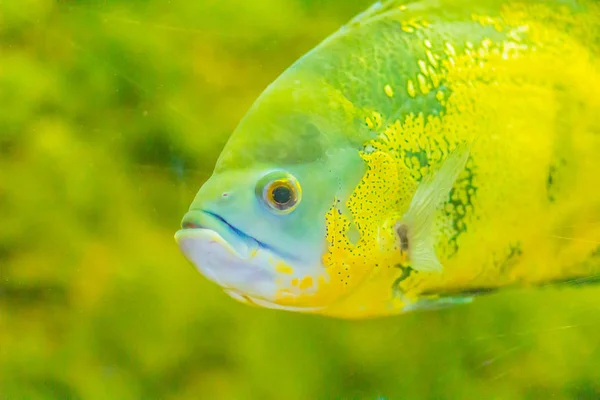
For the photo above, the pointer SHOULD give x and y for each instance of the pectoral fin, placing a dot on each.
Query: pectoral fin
(416, 228)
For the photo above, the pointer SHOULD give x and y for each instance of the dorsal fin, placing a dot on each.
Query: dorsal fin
(377, 10)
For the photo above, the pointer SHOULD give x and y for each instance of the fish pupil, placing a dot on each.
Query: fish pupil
(282, 195)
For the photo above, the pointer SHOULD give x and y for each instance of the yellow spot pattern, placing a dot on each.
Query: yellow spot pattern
(284, 269)
(410, 88)
(388, 90)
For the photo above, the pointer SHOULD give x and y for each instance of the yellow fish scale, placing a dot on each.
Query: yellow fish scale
(502, 95)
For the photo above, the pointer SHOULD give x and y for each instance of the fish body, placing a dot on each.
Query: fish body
(426, 152)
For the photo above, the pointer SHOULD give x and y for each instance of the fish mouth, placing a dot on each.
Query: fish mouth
(241, 242)
(243, 266)
(226, 255)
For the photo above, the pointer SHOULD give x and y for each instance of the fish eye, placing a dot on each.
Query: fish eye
(280, 192)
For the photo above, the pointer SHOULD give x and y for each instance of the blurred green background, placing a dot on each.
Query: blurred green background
(112, 114)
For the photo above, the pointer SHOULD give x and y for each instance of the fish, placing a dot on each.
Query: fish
(424, 154)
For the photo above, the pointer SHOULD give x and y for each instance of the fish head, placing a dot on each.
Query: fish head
(257, 227)
(254, 231)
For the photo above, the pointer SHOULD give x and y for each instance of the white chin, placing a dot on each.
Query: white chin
(218, 261)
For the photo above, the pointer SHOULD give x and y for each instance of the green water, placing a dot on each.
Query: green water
(112, 114)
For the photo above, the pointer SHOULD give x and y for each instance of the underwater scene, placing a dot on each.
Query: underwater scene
(299, 199)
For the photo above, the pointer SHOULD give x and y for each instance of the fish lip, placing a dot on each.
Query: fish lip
(191, 239)
(196, 219)
(186, 224)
